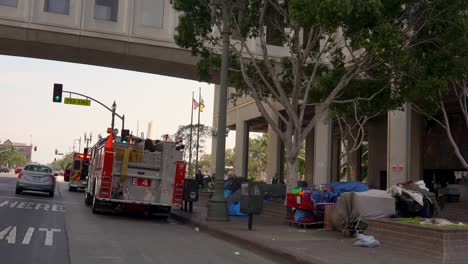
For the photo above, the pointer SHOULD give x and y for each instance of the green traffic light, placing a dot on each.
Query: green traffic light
(124, 141)
(57, 98)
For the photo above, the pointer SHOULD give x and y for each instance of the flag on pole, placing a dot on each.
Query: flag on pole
(202, 105)
(195, 104)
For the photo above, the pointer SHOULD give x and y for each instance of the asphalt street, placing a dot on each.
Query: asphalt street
(36, 229)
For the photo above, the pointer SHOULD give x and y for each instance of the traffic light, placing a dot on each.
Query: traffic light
(57, 98)
(125, 134)
(56, 152)
(35, 148)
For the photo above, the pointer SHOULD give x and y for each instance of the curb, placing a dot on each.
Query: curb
(274, 254)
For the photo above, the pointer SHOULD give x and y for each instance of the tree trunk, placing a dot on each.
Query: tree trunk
(291, 177)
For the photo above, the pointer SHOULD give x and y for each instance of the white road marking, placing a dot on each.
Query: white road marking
(4, 232)
(35, 206)
(29, 199)
(11, 238)
(27, 237)
(49, 240)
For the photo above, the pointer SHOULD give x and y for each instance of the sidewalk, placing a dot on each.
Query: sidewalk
(285, 244)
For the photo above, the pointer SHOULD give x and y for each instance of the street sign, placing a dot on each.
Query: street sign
(77, 101)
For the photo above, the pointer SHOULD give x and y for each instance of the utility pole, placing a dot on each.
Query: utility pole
(88, 139)
(217, 210)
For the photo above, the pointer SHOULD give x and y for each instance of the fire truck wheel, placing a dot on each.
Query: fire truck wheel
(71, 189)
(94, 207)
(88, 199)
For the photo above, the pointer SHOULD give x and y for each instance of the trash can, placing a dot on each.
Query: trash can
(251, 201)
(190, 190)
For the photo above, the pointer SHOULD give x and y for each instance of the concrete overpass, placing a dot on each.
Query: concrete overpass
(127, 34)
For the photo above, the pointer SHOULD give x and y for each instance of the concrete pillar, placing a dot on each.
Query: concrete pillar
(377, 142)
(404, 146)
(322, 150)
(273, 154)
(336, 158)
(309, 157)
(242, 149)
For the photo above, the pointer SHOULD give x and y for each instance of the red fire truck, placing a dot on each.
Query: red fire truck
(135, 175)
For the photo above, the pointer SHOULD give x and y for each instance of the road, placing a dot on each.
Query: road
(37, 229)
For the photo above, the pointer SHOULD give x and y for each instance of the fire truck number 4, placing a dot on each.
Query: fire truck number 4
(141, 182)
(9, 234)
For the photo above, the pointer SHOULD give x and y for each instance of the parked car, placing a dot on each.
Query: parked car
(4, 169)
(36, 177)
(18, 170)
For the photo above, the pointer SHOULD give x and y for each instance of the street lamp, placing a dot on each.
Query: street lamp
(114, 107)
(217, 209)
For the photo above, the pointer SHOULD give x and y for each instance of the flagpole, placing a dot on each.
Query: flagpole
(198, 126)
(190, 137)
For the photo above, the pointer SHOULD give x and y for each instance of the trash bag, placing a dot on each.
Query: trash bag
(299, 214)
(366, 241)
(234, 209)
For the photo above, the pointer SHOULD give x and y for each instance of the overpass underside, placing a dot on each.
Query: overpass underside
(127, 55)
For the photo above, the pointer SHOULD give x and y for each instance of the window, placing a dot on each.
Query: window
(106, 10)
(77, 165)
(38, 168)
(57, 6)
(13, 3)
(152, 13)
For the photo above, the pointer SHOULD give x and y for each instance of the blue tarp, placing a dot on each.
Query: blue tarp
(351, 186)
(233, 208)
(299, 214)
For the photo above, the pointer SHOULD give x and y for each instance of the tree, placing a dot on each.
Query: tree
(60, 164)
(205, 163)
(12, 158)
(184, 133)
(229, 158)
(257, 156)
(436, 73)
(329, 44)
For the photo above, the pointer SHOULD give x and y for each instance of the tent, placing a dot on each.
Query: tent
(354, 206)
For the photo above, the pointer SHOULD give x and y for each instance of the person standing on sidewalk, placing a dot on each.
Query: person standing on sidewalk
(199, 179)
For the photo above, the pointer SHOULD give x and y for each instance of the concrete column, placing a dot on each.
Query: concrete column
(377, 139)
(336, 157)
(404, 146)
(242, 149)
(273, 154)
(309, 157)
(322, 150)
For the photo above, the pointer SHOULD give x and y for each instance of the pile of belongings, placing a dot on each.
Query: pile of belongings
(304, 200)
(232, 194)
(414, 199)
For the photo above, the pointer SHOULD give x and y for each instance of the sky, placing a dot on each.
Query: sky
(28, 114)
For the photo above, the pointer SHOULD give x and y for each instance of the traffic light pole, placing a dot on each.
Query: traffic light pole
(112, 110)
